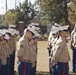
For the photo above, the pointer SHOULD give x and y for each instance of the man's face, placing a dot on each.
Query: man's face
(55, 35)
(30, 35)
(65, 33)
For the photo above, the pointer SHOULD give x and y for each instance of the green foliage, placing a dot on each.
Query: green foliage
(72, 13)
(9, 18)
(25, 12)
(53, 11)
(43, 37)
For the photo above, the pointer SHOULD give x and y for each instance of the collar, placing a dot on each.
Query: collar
(25, 38)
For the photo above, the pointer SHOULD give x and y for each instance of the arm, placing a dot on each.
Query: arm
(75, 40)
(58, 49)
(20, 51)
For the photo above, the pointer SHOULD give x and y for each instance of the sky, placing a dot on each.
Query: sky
(10, 4)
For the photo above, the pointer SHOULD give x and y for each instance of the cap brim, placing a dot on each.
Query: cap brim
(63, 28)
(33, 31)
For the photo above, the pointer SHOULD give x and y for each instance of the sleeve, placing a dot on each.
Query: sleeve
(75, 38)
(72, 38)
(0, 53)
(59, 47)
(21, 49)
(14, 45)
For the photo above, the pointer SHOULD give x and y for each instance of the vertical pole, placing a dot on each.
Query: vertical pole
(15, 4)
(66, 13)
(27, 2)
(6, 6)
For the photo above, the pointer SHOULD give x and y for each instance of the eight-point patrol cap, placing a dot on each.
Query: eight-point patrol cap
(54, 28)
(55, 31)
(62, 28)
(2, 32)
(6, 37)
(57, 25)
(13, 31)
(6, 31)
(33, 30)
(36, 28)
(33, 24)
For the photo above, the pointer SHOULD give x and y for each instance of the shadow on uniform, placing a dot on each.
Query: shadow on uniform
(16, 73)
(71, 73)
(46, 73)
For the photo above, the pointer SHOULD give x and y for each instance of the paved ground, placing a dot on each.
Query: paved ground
(42, 59)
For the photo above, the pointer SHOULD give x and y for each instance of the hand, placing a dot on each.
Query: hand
(52, 64)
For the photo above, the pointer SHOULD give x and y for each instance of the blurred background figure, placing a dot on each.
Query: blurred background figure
(73, 46)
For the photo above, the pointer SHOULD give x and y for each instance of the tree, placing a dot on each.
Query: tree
(9, 18)
(72, 12)
(54, 11)
(25, 12)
